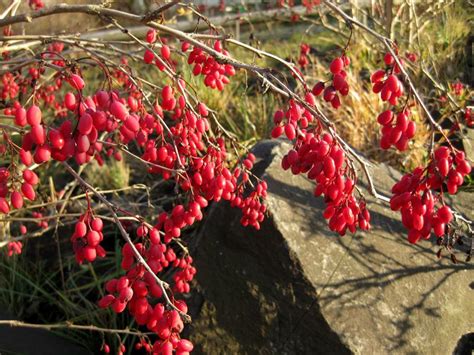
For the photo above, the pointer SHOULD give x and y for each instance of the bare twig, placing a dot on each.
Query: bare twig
(68, 325)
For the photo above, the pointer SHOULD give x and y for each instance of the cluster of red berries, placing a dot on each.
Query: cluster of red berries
(138, 287)
(417, 205)
(165, 52)
(207, 177)
(320, 157)
(87, 237)
(53, 50)
(14, 248)
(9, 87)
(184, 275)
(303, 60)
(457, 87)
(41, 222)
(295, 117)
(223, 184)
(397, 129)
(448, 167)
(12, 184)
(323, 161)
(19, 84)
(253, 209)
(180, 217)
(338, 84)
(106, 111)
(386, 82)
(416, 197)
(412, 57)
(216, 75)
(209, 180)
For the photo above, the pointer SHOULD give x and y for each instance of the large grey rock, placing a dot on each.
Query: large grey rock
(296, 287)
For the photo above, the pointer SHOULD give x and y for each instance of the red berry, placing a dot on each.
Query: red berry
(443, 167)
(336, 65)
(76, 82)
(338, 81)
(16, 199)
(42, 154)
(20, 117)
(70, 101)
(392, 83)
(290, 131)
(106, 301)
(165, 52)
(26, 157)
(148, 56)
(411, 130)
(329, 167)
(185, 46)
(118, 110)
(56, 139)
(97, 224)
(4, 207)
(85, 124)
(30, 177)
(132, 123)
(377, 76)
(83, 143)
(80, 229)
(90, 253)
(184, 345)
(388, 59)
(329, 94)
(33, 115)
(28, 191)
(38, 134)
(445, 215)
(385, 117)
(151, 36)
(318, 88)
(277, 131)
(93, 238)
(167, 93)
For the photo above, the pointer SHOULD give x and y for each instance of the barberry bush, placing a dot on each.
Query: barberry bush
(72, 102)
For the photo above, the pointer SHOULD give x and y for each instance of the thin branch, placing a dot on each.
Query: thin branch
(68, 325)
